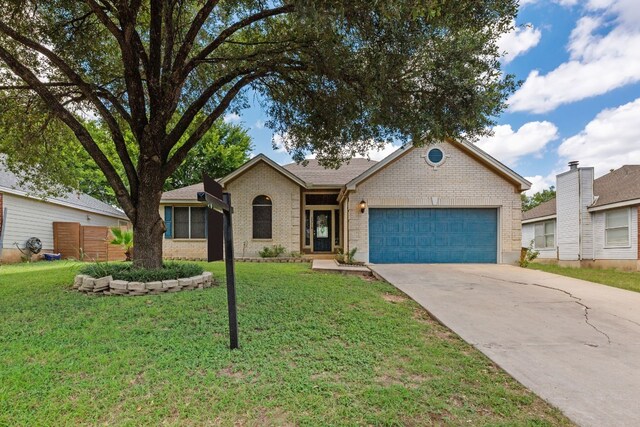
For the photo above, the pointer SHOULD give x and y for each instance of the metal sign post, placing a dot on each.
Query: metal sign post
(215, 239)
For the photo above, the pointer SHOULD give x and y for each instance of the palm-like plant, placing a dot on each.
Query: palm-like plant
(123, 238)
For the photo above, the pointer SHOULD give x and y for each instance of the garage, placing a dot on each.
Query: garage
(433, 235)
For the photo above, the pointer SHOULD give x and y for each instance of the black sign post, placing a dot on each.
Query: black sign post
(215, 239)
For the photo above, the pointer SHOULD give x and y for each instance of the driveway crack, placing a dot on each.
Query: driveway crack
(576, 299)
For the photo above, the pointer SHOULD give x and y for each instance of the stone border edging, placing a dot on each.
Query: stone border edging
(108, 286)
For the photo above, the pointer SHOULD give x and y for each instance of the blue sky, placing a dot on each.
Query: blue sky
(579, 61)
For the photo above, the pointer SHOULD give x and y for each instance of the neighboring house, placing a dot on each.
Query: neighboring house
(448, 202)
(591, 222)
(23, 216)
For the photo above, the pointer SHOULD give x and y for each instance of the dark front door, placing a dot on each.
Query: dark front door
(322, 231)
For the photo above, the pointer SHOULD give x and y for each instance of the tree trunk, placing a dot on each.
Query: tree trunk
(148, 226)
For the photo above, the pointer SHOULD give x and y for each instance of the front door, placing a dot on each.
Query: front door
(322, 231)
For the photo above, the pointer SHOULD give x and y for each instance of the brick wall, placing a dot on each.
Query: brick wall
(262, 179)
(461, 181)
(183, 248)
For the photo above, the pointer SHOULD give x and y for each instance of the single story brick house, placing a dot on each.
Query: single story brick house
(447, 202)
(591, 222)
(23, 215)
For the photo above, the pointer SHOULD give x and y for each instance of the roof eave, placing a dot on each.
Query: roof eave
(614, 205)
(538, 219)
(22, 193)
(517, 178)
(261, 158)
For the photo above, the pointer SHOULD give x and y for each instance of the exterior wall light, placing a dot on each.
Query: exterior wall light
(363, 206)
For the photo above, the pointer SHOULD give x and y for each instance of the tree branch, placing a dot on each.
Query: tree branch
(86, 89)
(193, 31)
(181, 153)
(229, 31)
(191, 112)
(76, 127)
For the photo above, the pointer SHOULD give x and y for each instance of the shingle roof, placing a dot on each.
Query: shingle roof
(618, 186)
(185, 193)
(10, 183)
(543, 209)
(318, 175)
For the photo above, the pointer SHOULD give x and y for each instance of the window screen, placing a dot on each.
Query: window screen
(617, 228)
(262, 213)
(181, 223)
(198, 223)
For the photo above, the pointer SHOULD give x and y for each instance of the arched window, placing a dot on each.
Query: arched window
(262, 215)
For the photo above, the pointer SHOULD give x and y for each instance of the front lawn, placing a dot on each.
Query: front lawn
(620, 279)
(316, 349)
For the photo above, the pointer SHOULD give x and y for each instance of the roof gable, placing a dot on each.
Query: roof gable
(257, 159)
(470, 149)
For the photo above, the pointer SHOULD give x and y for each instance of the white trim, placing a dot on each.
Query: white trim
(539, 219)
(435, 165)
(83, 208)
(262, 158)
(614, 205)
(544, 234)
(628, 227)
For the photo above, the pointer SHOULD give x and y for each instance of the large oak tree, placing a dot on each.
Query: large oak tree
(336, 76)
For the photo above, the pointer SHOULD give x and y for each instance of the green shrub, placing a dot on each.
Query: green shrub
(346, 257)
(527, 255)
(272, 251)
(126, 271)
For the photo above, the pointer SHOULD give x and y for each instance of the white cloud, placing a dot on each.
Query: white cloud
(259, 124)
(232, 118)
(609, 141)
(600, 61)
(377, 155)
(518, 41)
(539, 183)
(279, 142)
(509, 146)
(373, 154)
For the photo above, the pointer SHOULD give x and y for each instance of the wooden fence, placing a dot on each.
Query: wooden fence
(85, 242)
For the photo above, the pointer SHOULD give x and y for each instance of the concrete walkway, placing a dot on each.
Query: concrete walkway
(330, 265)
(574, 343)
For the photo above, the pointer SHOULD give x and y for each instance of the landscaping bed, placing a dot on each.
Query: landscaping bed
(122, 278)
(315, 349)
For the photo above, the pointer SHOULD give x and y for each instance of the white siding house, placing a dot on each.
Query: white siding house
(24, 216)
(597, 219)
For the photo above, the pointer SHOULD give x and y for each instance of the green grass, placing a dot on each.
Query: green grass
(316, 349)
(616, 278)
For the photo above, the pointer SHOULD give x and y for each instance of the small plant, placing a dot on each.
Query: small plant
(295, 254)
(527, 255)
(346, 257)
(124, 239)
(272, 251)
(126, 271)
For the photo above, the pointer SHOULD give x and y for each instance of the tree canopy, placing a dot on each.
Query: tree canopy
(530, 202)
(337, 77)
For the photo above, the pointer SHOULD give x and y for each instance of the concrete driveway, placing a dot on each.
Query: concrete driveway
(574, 343)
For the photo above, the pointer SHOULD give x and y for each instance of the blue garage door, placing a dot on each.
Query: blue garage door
(433, 235)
